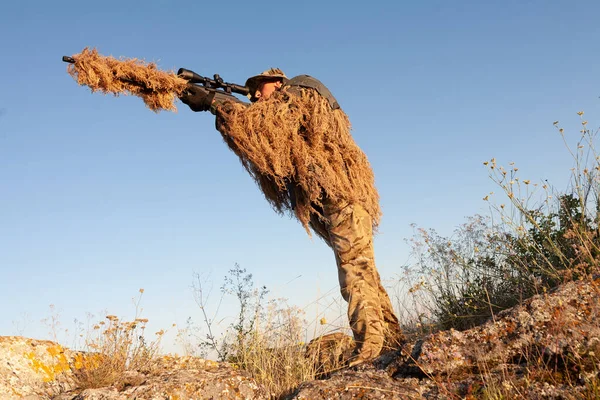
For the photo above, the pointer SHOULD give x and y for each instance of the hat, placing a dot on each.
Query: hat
(271, 74)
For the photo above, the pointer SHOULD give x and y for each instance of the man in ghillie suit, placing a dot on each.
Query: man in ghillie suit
(295, 142)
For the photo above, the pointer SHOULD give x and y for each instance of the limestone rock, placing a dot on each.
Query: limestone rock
(36, 369)
(556, 334)
(546, 348)
(178, 378)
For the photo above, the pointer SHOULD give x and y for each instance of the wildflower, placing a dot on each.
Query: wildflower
(526, 181)
(141, 290)
(323, 321)
(580, 113)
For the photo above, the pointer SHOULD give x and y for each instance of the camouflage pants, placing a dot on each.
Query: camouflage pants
(347, 229)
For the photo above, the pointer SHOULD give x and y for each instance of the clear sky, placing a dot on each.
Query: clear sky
(99, 196)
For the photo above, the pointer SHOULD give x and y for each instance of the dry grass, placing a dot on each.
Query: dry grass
(273, 353)
(113, 347)
(268, 340)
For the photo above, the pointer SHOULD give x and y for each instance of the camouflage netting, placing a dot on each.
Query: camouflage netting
(299, 143)
(158, 89)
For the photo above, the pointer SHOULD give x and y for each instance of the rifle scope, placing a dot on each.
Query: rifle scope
(215, 83)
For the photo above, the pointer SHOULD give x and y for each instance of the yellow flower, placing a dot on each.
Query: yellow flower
(323, 321)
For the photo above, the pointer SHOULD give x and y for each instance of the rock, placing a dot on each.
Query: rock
(546, 348)
(35, 369)
(558, 326)
(30, 367)
(179, 378)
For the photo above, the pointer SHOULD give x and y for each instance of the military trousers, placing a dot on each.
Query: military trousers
(347, 228)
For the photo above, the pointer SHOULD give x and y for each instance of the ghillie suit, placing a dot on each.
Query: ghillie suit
(158, 89)
(299, 150)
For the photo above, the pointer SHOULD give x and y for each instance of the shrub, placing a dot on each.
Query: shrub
(484, 268)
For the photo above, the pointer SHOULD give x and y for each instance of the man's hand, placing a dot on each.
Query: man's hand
(197, 97)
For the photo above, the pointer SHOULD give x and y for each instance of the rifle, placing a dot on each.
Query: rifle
(216, 83)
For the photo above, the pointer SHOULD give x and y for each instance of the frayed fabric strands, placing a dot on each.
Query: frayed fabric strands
(298, 144)
(158, 89)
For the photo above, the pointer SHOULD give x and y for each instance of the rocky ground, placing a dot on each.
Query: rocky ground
(547, 348)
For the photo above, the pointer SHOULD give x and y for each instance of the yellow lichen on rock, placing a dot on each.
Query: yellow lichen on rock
(33, 367)
(57, 365)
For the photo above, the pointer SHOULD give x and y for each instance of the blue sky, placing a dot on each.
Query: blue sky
(101, 197)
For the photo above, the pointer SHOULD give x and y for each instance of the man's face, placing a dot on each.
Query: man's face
(266, 89)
